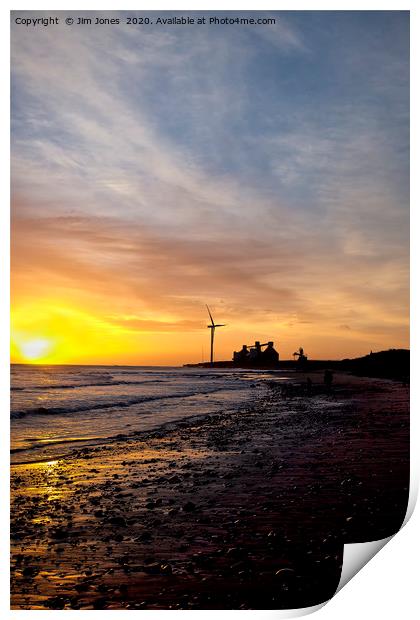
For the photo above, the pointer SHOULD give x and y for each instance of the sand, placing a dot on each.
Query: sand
(238, 510)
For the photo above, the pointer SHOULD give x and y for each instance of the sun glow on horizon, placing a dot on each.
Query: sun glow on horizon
(36, 348)
(48, 331)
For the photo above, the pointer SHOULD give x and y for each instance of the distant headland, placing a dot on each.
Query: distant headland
(390, 364)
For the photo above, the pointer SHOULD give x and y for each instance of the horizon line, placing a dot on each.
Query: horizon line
(332, 359)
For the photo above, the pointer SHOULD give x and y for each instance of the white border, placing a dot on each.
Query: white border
(387, 586)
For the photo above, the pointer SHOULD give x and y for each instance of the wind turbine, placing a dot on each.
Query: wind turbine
(212, 327)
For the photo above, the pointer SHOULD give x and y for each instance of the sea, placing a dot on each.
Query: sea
(55, 409)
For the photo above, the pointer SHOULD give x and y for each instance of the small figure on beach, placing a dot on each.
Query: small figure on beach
(286, 390)
(309, 385)
(328, 380)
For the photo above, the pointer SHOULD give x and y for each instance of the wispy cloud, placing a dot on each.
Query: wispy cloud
(179, 167)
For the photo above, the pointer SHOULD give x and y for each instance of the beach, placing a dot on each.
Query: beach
(243, 508)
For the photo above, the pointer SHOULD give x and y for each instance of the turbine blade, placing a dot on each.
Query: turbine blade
(211, 318)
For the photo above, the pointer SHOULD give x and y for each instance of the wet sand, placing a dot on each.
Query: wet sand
(239, 510)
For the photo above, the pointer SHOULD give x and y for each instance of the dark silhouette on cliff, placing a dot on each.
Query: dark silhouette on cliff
(391, 364)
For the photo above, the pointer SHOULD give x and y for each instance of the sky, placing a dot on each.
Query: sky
(262, 170)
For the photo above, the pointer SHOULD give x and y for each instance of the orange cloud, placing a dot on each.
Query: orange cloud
(143, 294)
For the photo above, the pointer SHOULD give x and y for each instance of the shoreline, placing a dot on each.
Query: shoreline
(115, 439)
(245, 509)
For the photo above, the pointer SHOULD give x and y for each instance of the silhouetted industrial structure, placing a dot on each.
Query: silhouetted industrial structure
(301, 358)
(255, 355)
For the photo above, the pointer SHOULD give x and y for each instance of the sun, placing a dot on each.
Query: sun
(36, 348)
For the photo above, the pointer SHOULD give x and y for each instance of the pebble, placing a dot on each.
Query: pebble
(30, 571)
(189, 507)
(158, 568)
(285, 573)
(118, 521)
(55, 602)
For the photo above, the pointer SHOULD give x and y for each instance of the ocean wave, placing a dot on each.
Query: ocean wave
(76, 446)
(128, 402)
(73, 386)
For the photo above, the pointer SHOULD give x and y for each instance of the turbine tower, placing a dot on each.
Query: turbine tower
(212, 328)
